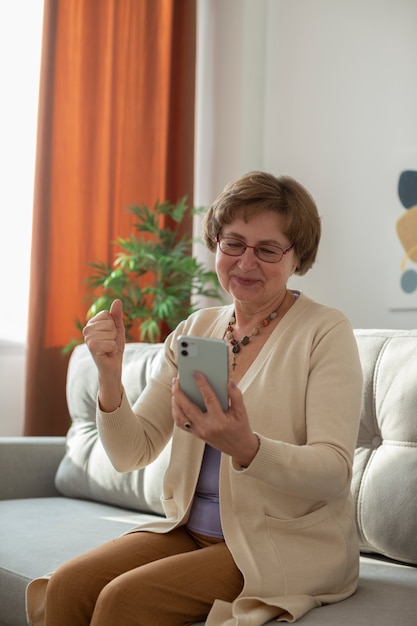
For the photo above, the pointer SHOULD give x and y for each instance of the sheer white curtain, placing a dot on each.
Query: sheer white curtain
(20, 45)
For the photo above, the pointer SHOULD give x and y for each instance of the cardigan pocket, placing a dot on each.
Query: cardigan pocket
(310, 551)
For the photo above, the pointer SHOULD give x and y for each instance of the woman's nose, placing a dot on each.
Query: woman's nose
(248, 259)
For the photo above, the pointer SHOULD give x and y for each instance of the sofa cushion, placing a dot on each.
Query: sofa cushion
(385, 469)
(43, 533)
(85, 471)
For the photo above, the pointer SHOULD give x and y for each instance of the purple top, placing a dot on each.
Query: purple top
(205, 512)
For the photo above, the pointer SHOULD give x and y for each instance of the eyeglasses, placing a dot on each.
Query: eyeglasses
(265, 252)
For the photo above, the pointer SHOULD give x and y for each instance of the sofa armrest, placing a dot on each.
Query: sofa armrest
(28, 466)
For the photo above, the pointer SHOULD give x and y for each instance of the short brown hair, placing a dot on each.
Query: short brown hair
(256, 192)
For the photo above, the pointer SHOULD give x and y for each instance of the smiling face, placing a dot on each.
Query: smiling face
(246, 278)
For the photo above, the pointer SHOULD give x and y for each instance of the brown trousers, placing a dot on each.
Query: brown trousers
(143, 579)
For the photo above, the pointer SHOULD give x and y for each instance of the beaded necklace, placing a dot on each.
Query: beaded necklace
(235, 343)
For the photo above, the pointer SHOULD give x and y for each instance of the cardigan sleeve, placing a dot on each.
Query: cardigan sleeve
(133, 437)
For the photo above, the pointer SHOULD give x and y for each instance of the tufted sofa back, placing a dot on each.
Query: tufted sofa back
(384, 483)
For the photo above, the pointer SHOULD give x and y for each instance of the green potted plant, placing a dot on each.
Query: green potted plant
(153, 273)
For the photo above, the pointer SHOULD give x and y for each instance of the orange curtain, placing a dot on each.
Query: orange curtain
(116, 127)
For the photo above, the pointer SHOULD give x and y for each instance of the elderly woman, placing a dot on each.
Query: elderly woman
(259, 520)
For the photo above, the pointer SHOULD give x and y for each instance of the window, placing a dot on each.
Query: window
(20, 51)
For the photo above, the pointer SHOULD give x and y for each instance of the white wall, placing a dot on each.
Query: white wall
(322, 90)
(340, 109)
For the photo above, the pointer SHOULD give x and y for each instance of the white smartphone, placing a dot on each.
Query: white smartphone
(211, 358)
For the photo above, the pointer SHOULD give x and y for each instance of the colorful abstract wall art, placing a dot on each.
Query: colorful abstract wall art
(406, 228)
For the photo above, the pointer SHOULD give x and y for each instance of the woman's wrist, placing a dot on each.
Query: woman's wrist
(109, 405)
(244, 460)
(110, 393)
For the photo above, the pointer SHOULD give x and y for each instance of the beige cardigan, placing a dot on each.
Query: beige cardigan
(303, 395)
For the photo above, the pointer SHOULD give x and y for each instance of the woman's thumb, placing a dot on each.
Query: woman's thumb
(116, 311)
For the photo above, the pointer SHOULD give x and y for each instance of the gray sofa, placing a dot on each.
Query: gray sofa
(60, 496)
